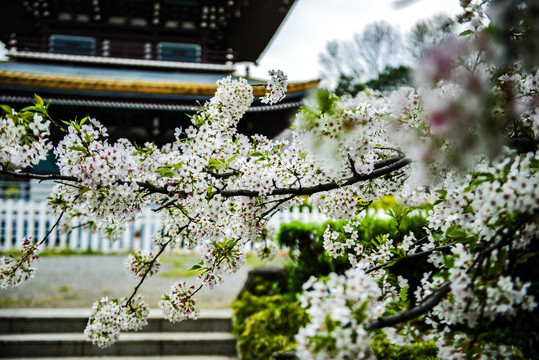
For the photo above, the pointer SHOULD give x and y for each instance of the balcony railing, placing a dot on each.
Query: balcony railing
(119, 49)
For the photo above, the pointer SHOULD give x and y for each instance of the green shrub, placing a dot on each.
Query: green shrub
(305, 243)
(421, 350)
(266, 324)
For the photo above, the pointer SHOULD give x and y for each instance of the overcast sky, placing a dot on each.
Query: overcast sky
(312, 23)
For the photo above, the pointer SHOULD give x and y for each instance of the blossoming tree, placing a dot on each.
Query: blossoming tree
(464, 141)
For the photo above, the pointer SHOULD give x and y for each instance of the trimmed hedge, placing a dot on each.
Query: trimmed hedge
(266, 324)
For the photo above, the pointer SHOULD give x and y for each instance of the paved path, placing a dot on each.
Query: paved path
(77, 281)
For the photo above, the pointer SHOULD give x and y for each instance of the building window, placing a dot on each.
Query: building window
(178, 52)
(76, 45)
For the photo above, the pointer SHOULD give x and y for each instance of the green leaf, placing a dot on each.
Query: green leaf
(468, 210)
(466, 32)
(39, 100)
(256, 153)
(442, 193)
(77, 148)
(165, 171)
(30, 108)
(455, 233)
(214, 164)
(403, 294)
(7, 109)
(196, 267)
(231, 159)
(524, 258)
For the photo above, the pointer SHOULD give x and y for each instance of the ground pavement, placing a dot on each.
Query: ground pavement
(77, 281)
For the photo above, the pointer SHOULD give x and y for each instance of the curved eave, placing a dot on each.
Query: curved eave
(78, 83)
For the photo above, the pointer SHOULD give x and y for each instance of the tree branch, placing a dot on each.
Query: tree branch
(41, 177)
(414, 312)
(410, 256)
(135, 290)
(382, 168)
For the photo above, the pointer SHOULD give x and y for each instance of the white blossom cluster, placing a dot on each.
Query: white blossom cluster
(480, 204)
(266, 250)
(14, 271)
(142, 263)
(104, 210)
(275, 88)
(110, 317)
(215, 189)
(232, 98)
(339, 310)
(84, 155)
(22, 142)
(178, 304)
(354, 130)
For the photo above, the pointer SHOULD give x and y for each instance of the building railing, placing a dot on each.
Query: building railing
(116, 49)
(23, 218)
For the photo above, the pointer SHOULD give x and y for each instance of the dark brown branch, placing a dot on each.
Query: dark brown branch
(410, 256)
(26, 175)
(414, 312)
(382, 168)
(225, 174)
(522, 144)
(52, 228)
(165, 204)
(279, 202)
(352, 165)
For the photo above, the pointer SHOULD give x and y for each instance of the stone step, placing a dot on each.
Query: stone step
(22, 321)
(129, 345)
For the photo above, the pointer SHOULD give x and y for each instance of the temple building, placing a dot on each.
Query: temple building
(141, 67)
(138, 66)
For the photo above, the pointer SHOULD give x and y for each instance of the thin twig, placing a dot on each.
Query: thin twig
(279, 202)
(25, 256)
(152, 262)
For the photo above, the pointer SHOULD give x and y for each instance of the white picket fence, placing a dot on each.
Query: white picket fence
(23, 218)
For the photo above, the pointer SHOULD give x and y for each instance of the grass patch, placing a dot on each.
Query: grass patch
(180, 264)
(61, 252)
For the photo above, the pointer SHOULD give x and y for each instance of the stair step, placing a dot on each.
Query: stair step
(136, 344)
(23, 321)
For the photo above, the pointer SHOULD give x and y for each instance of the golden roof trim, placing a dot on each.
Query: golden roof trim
(68, 82)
